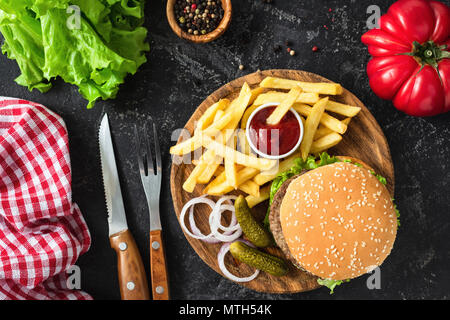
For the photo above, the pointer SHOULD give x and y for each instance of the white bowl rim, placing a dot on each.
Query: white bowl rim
(253, 147)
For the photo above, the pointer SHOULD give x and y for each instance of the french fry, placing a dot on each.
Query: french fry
(246, 116)
(264, 194)
(328, 121)
(244, 146)
(210, 170)
(308, 98)
(343, 109)
(237, 109)
(303, 121)
(251, 188)
(241, 158)
(248, 186)
(255, 93)
(277, 96)
(191, 181)
(208, 173)
(320, 88)
(195, 142)
(239, 104)
(219, 114)
(230, 166)
(230, 120)
(219, 185)
(221, 169)
(218, 182)
(323, 131)
(311, 124)
(207, 118)
(285, 165)
(279, 112)
(326, 142)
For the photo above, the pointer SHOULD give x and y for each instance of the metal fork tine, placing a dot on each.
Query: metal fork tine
(157, 150)
(140, 156)
(150, 166)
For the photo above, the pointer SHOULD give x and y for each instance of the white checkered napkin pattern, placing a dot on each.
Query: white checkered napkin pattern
(42, 233)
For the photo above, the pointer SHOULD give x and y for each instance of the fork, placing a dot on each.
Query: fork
(151, 181)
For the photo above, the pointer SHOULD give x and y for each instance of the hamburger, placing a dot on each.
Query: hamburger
(333, 218)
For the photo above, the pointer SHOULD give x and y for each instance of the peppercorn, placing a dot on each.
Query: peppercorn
(202, 16)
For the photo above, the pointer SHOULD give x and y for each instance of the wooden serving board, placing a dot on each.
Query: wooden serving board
(364, 140)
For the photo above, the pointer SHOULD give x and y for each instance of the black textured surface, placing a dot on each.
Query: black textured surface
(179, 75)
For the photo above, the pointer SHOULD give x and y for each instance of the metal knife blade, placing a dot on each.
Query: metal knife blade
(113, 195)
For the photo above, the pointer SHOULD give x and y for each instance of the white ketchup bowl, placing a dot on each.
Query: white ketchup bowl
(268, 156)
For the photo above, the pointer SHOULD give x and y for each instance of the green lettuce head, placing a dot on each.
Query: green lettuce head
(93, 44)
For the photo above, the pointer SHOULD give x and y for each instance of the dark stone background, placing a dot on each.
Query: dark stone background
(179, 75)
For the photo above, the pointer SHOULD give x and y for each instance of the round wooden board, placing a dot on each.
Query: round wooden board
(364, 140)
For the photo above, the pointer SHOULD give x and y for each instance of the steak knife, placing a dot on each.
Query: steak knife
(132, 278)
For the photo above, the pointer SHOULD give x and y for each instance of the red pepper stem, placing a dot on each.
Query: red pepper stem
(429, 53)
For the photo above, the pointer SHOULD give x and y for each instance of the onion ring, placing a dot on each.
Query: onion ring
(231, 232)
(214, 222)
(190, 203)
(221, 260)
(196, 230)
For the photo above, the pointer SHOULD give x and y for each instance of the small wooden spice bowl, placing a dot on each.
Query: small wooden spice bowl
(204, 38)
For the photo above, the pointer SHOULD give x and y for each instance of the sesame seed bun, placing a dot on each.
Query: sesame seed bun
(336, 222)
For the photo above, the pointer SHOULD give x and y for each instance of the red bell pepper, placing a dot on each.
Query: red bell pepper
(411, 58)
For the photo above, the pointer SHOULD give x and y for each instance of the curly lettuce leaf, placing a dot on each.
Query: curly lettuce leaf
(23, 42)
(331, 284)
(109, 44)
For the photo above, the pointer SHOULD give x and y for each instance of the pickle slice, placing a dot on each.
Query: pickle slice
(253, 230)
(259, 260)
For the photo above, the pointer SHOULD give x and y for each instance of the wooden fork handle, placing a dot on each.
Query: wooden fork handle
(158, 267)
(132, 279)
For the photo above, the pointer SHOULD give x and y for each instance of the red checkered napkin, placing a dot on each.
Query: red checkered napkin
(42, 233)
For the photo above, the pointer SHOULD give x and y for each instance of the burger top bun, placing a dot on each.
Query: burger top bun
(338, 221)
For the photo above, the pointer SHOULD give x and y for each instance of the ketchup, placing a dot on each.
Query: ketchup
(269, 141)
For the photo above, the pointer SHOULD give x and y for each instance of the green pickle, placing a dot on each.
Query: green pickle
(252, 229)
(257, 259)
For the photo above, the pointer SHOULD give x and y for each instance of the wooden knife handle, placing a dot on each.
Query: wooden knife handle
(158, 266)
(132, 279)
